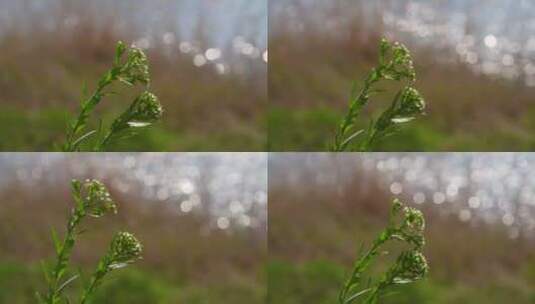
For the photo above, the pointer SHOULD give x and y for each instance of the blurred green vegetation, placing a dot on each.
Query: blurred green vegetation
(315, 234)
(18, 282)
(312, 129)
(309, 93)
(319, 282)
(44, 130)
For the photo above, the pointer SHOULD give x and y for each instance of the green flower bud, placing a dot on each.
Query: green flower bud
(414, 219)
(411, 266)
(125, 249)
(397, 206)
(136, 68)
(409, 225)
(396, 61)
(411, 102)
(96, 198)
(145, 109)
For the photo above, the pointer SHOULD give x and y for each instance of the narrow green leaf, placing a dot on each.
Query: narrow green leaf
(66, 283)
(44, 269)
(55, 239)
(82, 138)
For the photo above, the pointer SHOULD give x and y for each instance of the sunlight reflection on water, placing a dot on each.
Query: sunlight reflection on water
(230, 187)
(494, 38)
(195, 27)
(486, 188)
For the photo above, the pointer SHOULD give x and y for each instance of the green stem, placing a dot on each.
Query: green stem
(117, 125)
(360, 265)
(95, 279)
(87, 106)
(355, 108)
(63, 257)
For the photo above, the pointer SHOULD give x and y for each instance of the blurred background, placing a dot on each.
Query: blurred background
(479, 208)
(208, 62)
(201, 218)
(475, 61)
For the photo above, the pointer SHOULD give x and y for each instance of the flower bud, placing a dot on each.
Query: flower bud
(136, 67)
(411, 102)
(146, 108)
(125, 249)
(396, 61)
(96, 198)
(415, 219)
(412, 266)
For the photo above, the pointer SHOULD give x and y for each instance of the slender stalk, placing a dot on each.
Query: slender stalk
(87, 106)
(95, 279)
(355, 107)
(63, 256)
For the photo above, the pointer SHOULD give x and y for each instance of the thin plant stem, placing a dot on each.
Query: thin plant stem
(63, 256)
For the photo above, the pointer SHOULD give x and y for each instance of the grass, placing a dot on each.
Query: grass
(315, 281)
(134, 286)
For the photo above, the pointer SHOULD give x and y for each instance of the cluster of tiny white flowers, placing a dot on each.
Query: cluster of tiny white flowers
(147, 108)
(125, 248)
(97, 198)
(136, 67)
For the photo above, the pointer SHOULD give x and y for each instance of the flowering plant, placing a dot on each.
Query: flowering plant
(143, 111)
(395, 63)
(406, 225)
(92, 199)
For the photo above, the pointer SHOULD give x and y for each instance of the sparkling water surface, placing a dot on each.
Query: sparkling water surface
(233, 32)
(479, 188)
(230, 187)
(493, 37)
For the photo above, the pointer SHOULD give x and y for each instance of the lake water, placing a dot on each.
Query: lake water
(493, 37)
(479, 188)
(230, 187)
(234, 32)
